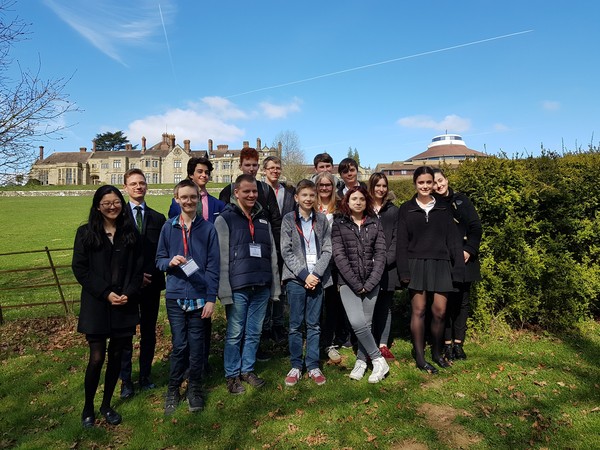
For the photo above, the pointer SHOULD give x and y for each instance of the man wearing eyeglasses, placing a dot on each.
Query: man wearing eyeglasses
(149, 223)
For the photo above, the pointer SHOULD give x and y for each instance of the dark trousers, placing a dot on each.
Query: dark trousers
(149, 305)
(335, 327)
(457, 313)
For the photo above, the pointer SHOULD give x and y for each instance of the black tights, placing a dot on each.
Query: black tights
(94, 368)
(417, 324)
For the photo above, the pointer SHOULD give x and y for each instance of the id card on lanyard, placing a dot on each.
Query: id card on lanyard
(255, 250)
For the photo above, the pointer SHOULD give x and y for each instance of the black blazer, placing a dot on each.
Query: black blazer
(111, 267)
(153, 223)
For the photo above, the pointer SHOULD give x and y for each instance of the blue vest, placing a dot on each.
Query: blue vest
(246, 270)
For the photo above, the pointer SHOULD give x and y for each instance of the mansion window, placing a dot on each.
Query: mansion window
(104, 165)
(147, 163)
(132, 165)
(154, 178)
(154, 163)
(226, 165)
(117, 164)
(226, 179)
(216, 165)
(69, 176)
(177, 178)
(177, 164)
(116, 178)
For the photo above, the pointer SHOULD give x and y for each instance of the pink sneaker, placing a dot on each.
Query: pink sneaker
(385, 352)
(317, 376)
(293, 377)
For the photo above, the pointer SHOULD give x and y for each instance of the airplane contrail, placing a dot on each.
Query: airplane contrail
(167, 40)
(481, 41)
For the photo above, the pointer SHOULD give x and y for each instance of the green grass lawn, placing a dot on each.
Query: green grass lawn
(523, 390)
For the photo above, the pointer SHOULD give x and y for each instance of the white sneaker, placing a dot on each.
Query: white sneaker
(380, 370)
(359, 370)
(293, 377)
(334, 355)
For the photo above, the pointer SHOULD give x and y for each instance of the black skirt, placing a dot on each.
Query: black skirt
(431, 275)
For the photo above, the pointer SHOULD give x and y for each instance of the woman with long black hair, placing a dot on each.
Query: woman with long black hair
(470, 230)
(107, 262)
(429, 258)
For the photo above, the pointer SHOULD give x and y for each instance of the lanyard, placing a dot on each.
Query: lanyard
(312, 228)
(184, 236)
(251, 227)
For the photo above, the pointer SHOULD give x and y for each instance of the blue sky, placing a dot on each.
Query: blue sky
(383, 77)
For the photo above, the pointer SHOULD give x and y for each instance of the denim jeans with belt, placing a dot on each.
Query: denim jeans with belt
(245, 318)
(305, 307)
(187, 336)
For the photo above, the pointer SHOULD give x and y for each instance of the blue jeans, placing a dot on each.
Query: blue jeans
(245, 318)
(305, 306)
(187, 337)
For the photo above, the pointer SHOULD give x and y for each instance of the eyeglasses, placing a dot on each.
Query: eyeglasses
(325, 185)
(273, 169)
(114, 204)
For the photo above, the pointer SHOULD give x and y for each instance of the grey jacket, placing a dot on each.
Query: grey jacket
(294, 254)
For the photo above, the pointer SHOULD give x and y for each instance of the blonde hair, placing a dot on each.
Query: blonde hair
(332, 207)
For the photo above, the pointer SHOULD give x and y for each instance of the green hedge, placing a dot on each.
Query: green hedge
(541, 237)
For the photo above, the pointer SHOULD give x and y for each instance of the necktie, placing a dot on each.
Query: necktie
(138, 217)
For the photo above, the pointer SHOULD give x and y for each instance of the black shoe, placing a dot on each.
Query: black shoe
(194, 397)
(234, 386)
(252, 379)
(111, 416)
(145, 384)
(127, 390)
(262, 355)
(458, 352)
(441, 361)
(448, 352)
(428, 368)
(172, 399)
(88, 421)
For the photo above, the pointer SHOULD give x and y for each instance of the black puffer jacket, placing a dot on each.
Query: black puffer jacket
(358, 253)
(469, 228)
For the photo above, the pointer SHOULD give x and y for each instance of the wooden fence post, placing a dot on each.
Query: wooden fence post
(62, 296)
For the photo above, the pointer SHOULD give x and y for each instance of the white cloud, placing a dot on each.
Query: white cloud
(273, 111)
(452, 123)
(500, 127)
(550, 105)
(112, 25)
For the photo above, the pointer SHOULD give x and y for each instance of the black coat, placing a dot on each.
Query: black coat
(428, 236)
(153, 223)
(109, 268)
(470, 230)
(388, 215)
(359, 254)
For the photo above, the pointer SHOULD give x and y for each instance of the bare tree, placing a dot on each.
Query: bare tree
(30, 106)
(292, 156)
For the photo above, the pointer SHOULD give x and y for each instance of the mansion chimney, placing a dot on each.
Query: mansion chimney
(41, 152)
(258, 144)
(172, 138)
(143, 144)
(128, 147)
(93, 145)
(210, 146)
(186, 145)
(82, 149)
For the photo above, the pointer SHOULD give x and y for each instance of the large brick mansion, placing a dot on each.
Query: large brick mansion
(165, 162)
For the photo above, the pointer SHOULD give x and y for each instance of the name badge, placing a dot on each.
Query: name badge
(255, 250)
(311, 259)
(189, 267)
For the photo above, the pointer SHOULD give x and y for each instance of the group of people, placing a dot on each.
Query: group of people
(333, 250)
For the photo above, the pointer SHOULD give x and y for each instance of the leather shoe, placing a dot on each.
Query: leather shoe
(88, 421)
(127, 390)
(111, 416)
(146, 384)
(442, 362)
(427, 368)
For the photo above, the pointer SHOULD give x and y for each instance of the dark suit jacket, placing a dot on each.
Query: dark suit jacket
(153, 223)
(341, 186)
(215, 206)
